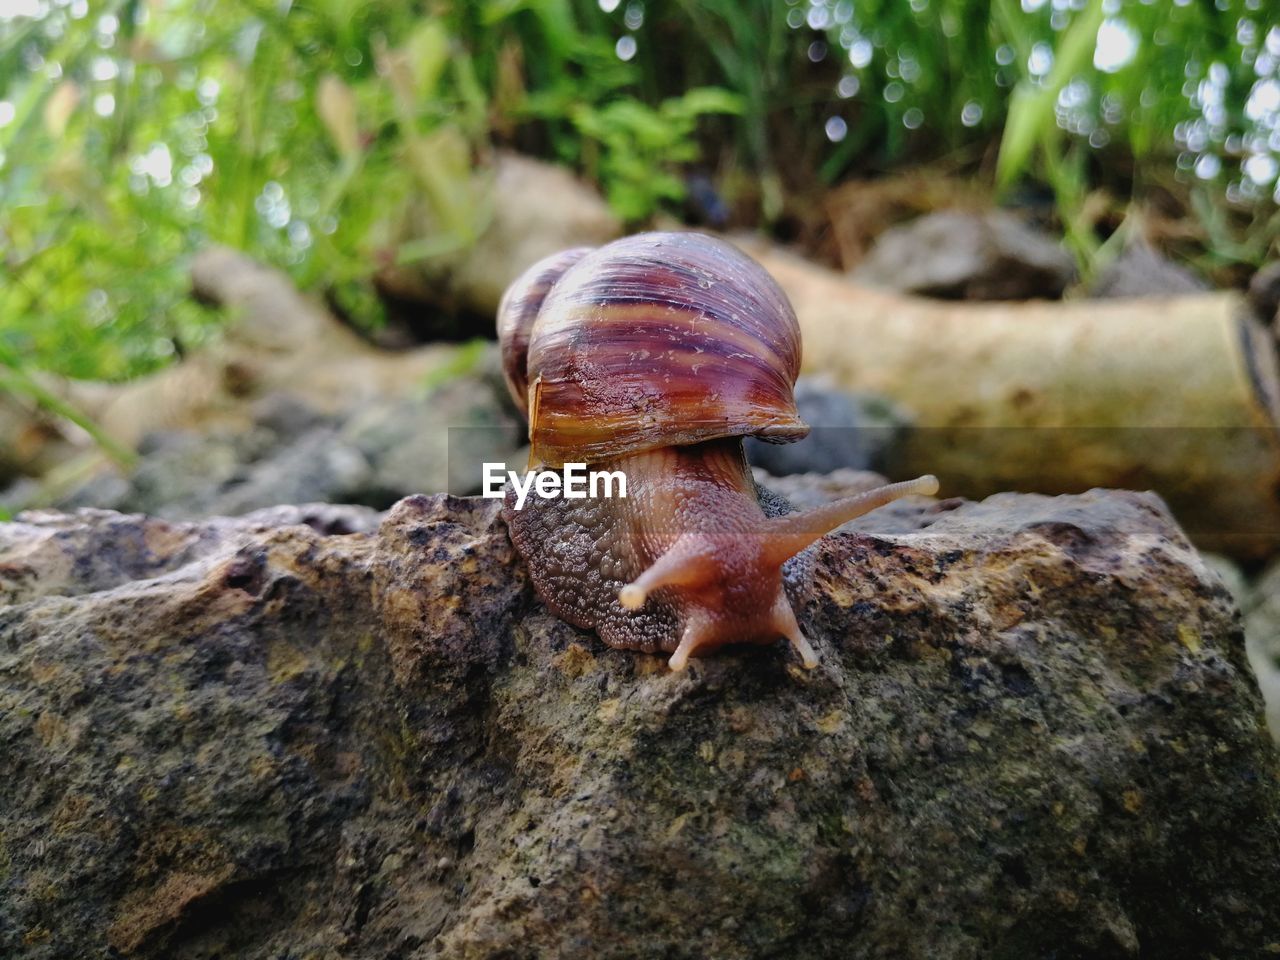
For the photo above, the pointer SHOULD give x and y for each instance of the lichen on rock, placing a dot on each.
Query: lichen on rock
(317, 732)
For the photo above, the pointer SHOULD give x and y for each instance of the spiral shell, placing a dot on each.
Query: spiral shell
(660, 339)
(517, 311)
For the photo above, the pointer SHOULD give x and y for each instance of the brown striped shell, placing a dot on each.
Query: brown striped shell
(517, 311)
(660, 339)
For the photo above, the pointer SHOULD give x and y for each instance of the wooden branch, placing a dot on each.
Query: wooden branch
(1174, 394)
(278, 339)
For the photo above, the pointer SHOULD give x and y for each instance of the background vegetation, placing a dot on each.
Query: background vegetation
(334, 136)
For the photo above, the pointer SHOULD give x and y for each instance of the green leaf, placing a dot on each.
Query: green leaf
(428, 52)
(702, 100)
(1032, 118)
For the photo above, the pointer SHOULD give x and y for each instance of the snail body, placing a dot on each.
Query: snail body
(653, 356)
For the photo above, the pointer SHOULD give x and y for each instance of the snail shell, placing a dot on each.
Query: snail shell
(656, 340)
(654, 355)
(519, 308)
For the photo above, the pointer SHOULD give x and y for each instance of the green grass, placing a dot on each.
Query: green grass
(341, 136)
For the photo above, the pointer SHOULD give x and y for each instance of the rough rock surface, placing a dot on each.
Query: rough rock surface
(956, 255)
(1032, 734)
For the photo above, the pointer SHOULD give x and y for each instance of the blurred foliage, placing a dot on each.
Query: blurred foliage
(629, 146)
(1174, 102)
(333, 137)
(18, 380)
(172, 125)
(329, 138)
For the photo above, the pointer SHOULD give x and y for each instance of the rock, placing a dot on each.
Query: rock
(1262, 630)
(1032, 733)
(179, 473)
(850, 430)
(184, 473)
(50, 554)
(440, 444)
(804, 490)
(374, 453)
(287, 415)
(318, 466)
(860, 210)
(957, 255)
(1140, 271)
(704, 203)
(1264, 295)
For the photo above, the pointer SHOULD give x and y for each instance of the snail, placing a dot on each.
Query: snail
(655, 355)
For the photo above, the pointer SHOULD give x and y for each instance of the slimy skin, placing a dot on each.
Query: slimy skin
(687, 562)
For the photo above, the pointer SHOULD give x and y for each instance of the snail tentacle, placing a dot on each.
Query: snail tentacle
(792, 532)
(785, 622)
(684, 564)
(694, 635)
